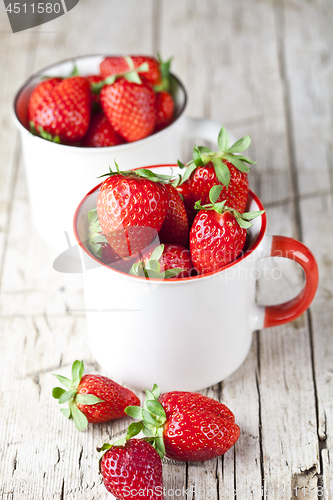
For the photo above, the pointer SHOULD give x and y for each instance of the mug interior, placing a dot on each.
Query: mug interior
(86, 65)
(80, 225)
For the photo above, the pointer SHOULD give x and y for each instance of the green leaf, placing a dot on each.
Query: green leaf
(240, 145)
(156, 408)
(246, 159)
(197, 157)
(134, 412)
(180, 164)
(134, 429)
(120, 442)
(153, 265)
(57, 392)
(130, 62)
(190, 168)
(223, 140)
(75, 71)
(214, 193)
(77, 370)
(63, 380)
(220, 207)
(172, 273)
(157, 253)
(243, 223)
(80, 420)
(149, 395)
(132, 76)
(66, 412)
(156, 391)
(92, 216)
(236, 162)
(149, 432)
(160, 448)
(88, 399)
(204, 150)
(222, 172)
(150, 274)
(252, 215)
(106, 446)
(148, 418)
(135, 269)
(143, 68)
(66, 396)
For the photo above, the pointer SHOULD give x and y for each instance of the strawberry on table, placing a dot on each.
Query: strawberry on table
(131, 208)
(185, 426)
(132, 469)
(92, 398)
(100, 133)
(225, 167)
(63, 115)
(218, 233)
(175, 227)
(164, 262)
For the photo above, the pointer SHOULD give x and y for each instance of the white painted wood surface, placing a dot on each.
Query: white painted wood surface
(261, 67)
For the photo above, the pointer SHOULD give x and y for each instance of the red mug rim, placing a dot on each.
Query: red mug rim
(20, 125)
(248, 252)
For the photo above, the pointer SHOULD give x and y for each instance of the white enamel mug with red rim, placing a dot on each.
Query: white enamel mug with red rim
(190, 333)
(58, 175)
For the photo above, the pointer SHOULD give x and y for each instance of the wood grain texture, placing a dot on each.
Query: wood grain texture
(261, 67)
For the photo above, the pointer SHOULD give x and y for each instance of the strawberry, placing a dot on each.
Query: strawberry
(175, 227)
(100, 133)
(187, 196)
(130, 108)
(39, 93)
(165, 107)
(218, 233)
(92, 398)
(164, 262)
(131, 208)
(131, 469)
(95, 97)
(99, 246)
(208, 169)
(120, 65)
(64, 113)
(185, 426)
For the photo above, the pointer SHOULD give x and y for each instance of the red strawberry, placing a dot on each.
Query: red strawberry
(64, 113)
(132, 470)
(100, 247)
(119, 65)
(130, 108)
(92, 398)
(100, 133)
(224, 167)
(131, 208)
(39, 93)
(95, 97)
(165, 107)
(191, 427)
(184, 190)
(164, 261)
(218, 234)
(175, 227)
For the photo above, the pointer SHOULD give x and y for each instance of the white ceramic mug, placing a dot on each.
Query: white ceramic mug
(59, 175)
(190, 333)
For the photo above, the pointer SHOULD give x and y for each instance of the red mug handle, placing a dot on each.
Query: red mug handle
(282, 246)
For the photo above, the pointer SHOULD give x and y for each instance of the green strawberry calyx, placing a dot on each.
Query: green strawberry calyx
(152, 268)
(140, 172)
(95, 234)
(40, 132)
(165, 74)
(131, 75)
(220, 207)
(72, 397)
(202, 156)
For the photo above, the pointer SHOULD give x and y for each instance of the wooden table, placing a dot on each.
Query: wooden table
(260, 67)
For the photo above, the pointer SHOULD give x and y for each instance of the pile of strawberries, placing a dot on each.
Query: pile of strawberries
(127, 101)
(173, 227)
(183, 426)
